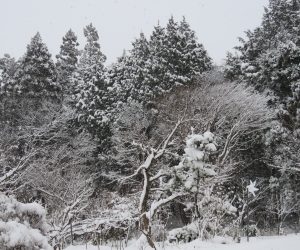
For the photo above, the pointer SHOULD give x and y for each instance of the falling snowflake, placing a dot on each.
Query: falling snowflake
(251, 188)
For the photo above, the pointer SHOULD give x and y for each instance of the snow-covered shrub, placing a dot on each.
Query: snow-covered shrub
(22, 225)
(185, 234)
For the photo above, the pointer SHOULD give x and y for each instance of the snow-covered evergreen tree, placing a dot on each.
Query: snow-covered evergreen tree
(136, 66)
(126, 77)
(172, 56)
(91, 87)
(157, 65)
(67, 60)
(176, 57)
(91, 64)
(186, 57)
(119, 81)
(36, 76)
(269, 57)
(8, 67)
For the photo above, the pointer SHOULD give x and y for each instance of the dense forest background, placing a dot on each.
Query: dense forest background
(160, 139)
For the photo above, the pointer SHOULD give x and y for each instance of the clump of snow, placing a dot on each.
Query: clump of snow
(198, 145)
(194, 154)
(209, 136)
(13, 234)
(22, 225)
(211, 147)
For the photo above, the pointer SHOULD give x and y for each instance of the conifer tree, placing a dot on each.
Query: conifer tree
(91, 64)
(36, 75)
(67, 59)
(137, 71)
(8, 67)
(176, 57)
(157, 65)
(171, 57)
(184, 58)
(195, 58)
(269, 57)
(91, 87)
(119, 81)
(128, 75)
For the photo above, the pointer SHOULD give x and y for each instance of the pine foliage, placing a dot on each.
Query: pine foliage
(269, 57)
(171, 57)
(67, 60)
(36, 75)
(90, 87)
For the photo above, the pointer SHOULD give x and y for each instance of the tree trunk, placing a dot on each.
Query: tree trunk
(146, 230)
(145, 226)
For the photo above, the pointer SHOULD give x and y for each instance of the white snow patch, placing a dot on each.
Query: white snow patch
(289, 242)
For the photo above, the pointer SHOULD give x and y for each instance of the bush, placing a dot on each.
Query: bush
(22, 225)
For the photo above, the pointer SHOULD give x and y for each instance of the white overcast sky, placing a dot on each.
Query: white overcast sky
(217, 23)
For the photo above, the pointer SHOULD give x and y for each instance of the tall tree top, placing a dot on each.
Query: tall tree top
(37, 74)
(140, 47)
(36, 48)
(68, 56)
(91, 33)
(92, 54)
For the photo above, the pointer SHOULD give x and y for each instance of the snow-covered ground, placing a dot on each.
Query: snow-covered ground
(289, 242)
